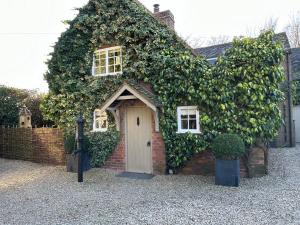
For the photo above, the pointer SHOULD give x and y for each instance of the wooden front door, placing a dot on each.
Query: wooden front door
(139, 155)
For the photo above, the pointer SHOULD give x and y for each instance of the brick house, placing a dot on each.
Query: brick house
(136, 111)
(286, 133)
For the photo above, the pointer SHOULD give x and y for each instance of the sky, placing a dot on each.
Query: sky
(29, 28)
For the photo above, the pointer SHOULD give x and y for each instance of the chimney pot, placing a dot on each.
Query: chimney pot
(156, 8)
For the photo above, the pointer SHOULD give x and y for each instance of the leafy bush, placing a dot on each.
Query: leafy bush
(12, 99)
(228, 146)
(70, 143)
(296, 92)
(101, 145)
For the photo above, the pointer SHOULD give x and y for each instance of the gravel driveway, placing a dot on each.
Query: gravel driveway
(36, 194)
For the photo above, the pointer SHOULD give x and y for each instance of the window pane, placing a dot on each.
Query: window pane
(118, 68)
(97, 125)
(118, 60)
(111, 53)
(111, 69)
(184, 124)
(184, 117)
(102, 62)
(193, 124)
(118, 53)
(97, 63)
(104, 124)
(193, 116)
(102, 70)
(111, 61)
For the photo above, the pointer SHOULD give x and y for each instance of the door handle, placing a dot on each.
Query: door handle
(148, 144)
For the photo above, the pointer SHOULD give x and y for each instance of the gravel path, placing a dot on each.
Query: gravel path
(36, 194)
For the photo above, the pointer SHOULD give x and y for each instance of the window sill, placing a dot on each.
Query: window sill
(95, 131)
(189, 131)
(107, 74)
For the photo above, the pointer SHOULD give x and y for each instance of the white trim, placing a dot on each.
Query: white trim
(156, 121)
(194, 131)
(106, 50)
(133, 92)
(116, 115)
(127, 97)
(212, 58)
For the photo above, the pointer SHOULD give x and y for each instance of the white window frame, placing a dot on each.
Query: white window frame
(210, 59)
(106, 50)
(94, 123)
(179, 112)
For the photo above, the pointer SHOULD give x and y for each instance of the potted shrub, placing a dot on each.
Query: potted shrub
(228, 148)
(71, 158)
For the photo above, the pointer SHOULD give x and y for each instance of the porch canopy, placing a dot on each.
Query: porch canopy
(129, 91)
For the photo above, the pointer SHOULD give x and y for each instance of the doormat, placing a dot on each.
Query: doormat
(137, 176)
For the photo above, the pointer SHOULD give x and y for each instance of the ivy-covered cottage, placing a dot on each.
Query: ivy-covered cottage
(126, 70)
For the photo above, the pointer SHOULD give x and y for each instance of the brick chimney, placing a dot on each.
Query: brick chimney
(166, 17)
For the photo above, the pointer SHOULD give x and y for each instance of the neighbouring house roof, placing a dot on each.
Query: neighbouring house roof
(216, 50)
(295, 63)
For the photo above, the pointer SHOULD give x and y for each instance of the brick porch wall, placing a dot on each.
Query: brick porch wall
(117, 161)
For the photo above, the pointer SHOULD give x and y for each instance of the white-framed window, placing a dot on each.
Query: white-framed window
(107, 61)
(212, 61)
(100, 121)
(188, 119)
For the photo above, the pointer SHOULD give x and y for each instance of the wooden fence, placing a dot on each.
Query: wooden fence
(41, 145)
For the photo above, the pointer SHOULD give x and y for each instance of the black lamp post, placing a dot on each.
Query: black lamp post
(80, 137)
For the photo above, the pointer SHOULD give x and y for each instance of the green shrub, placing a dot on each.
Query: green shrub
(228, 146)
(70, 143)
(101, 145)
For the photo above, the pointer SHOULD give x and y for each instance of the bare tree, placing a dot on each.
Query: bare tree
(221, 39)
(270, 24)
(195, 42)
(293, 30)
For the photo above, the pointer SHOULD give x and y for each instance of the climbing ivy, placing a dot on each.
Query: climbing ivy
(296, 92)
(239, 95)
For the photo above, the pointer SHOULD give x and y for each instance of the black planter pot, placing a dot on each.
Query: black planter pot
(72, 162)
(227, 172)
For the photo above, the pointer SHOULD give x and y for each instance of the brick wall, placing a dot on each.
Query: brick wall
(41, 145)
(204, 164)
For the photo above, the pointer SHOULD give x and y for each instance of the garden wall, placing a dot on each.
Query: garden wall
(204, 164)
(41, 145)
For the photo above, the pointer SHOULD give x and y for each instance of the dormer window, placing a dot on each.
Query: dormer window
(100, 121)
(107, 61)
(212, 61)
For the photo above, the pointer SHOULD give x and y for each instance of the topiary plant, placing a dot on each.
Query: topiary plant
(228, 146)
